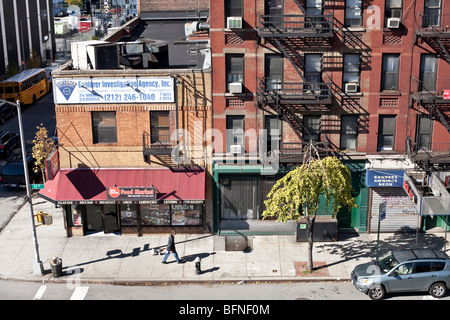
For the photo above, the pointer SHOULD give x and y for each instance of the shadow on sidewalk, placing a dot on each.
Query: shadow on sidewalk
(347, 248)
(118, 254)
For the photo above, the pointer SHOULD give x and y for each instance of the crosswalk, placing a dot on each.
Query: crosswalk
(78, 293)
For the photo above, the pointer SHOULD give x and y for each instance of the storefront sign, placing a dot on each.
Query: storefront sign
(52, 164)
(123, 193)
(446, 94)
(114, 90)
(384, 178)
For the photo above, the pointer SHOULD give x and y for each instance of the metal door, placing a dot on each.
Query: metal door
(240, 197)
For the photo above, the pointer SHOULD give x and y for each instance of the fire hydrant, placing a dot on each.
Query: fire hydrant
(197, 265)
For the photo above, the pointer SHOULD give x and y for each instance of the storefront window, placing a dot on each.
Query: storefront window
(128, 215)
(76, 214)
(155, 214)
(186, 214)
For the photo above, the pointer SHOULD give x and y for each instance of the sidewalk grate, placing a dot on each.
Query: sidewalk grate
(236, 243)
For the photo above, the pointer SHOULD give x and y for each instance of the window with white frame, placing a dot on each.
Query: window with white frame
(349, 132)
(351, 69)
(393, 9)
(386, 132)
(431, 13)
(390, 72)
(353, 13)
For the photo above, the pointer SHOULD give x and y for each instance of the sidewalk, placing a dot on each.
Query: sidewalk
(129, 259)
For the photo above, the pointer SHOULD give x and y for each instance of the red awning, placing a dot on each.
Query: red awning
(92, 184)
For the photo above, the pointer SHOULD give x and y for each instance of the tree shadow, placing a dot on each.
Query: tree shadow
(349, 248)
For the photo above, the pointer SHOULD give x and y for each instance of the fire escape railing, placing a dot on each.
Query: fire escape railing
(303, 25)
(294, 93)
(161, 145)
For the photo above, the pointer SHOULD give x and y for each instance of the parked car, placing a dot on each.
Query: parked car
(12, 174)
(404, 271)
(9, 141)
(7, 111)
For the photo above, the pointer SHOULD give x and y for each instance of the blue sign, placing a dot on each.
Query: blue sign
(384, 178)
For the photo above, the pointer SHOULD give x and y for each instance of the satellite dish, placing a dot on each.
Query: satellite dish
(73, 10)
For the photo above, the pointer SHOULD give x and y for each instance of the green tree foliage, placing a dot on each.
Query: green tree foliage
(297, 193)
(43, 146)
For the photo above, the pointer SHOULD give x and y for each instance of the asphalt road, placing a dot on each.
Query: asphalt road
(43, 111)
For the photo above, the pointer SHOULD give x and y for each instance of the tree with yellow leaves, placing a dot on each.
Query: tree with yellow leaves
(297, 193)
(43, 146)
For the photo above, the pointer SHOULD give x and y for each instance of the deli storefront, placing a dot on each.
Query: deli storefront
(129, 201)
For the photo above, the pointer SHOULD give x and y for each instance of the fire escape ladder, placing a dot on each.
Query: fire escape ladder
(441, 116)
(300, 6)
(443, 50)
(292, 53)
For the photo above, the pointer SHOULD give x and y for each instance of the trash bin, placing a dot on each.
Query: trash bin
(56, 266)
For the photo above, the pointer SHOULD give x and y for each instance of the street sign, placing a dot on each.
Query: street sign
(383, 207)
(381, 216)
(37, 186)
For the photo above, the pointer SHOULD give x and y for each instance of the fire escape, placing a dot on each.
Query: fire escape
(290, 34)
(437, 37)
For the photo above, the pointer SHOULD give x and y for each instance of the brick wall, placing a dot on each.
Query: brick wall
(172, 5)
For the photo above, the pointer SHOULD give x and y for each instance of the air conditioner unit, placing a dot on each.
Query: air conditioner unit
(235, 87)
(393, 23)
(234, 22)
(236, 148)
(351, 87)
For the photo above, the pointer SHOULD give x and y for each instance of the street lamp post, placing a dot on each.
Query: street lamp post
(38, 268)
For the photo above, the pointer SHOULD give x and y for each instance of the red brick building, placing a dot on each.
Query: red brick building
(363, 81)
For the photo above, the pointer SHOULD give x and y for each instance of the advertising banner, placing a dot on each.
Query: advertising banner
(114, 90)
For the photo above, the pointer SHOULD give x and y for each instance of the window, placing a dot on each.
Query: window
(349, 132)
(351, 68)
(104, 127)
(422, 267)
(431, 13)
(273, 71)
(313, 72)
(428, 72)
(390, 70)
(311, 129)
(234, 8)
(273, 127)
(424, 131)
(314, 7)
(235, 134)
(403, 269)
(235, 68)
(386, 132)
(438, 265)
(393, 9)
(159, 127)
(353, 13)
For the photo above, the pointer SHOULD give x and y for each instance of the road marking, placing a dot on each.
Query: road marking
(40, 293)
(79, 293)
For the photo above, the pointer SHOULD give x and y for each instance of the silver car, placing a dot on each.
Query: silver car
(404, 271)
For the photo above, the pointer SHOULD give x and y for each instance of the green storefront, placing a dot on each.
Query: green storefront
(239, 191)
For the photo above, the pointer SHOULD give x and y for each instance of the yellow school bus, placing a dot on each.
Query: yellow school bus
(26, 86)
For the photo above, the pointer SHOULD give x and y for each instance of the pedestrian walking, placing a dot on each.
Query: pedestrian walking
(171, 248)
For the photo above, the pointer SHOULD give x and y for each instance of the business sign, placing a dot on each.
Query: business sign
(52, 164)
(384, 178)
(131, 193)
(114, 90)
(412, 192)
(446, 95)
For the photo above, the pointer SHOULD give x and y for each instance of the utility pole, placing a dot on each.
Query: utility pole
(38, 267)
